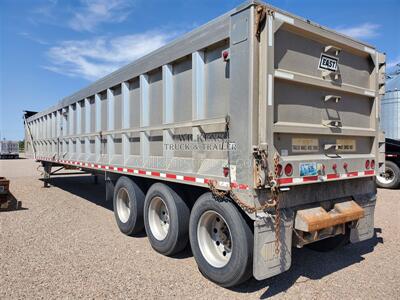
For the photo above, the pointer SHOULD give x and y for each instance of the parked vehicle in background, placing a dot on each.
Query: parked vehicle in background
(391, 178)
(250, 135)
(9, 149)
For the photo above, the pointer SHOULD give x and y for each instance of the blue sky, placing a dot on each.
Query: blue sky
(52, 48)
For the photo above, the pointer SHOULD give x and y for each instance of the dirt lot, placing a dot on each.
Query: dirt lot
(64, 243)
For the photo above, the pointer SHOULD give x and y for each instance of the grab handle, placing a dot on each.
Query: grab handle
(332, 97)
(332, 123)
(332, 49)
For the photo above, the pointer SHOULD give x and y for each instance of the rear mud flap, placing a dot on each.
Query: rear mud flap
(267, 262)
(364, 229)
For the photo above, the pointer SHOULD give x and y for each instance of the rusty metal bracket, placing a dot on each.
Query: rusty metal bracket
(313, 219)
(261, 17)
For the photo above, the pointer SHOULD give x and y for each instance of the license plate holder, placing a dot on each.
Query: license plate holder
(308, 169)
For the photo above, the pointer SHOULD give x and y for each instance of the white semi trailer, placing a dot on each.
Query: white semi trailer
(248, 136)
(9, 149)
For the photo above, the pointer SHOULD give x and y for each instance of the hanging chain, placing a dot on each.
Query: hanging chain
(275, 197)
(271, 203)
(229, 194)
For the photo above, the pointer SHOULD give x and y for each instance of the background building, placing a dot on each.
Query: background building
(390, 106)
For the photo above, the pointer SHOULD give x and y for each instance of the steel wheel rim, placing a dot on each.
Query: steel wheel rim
(123, 205)
(158, 216)
(214, 239)
(387, 178)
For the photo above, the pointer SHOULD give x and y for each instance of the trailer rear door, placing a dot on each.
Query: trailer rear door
(324, 107)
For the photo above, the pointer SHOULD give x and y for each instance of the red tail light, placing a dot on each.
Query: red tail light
(367, 164)
(288, 170)
(372, 164)
(278, 170)
(226, 171)
(225, 55)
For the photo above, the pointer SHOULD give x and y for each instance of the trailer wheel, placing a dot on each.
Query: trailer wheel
(128, 206)
(166, 219)
(391, 179)
(221, 241)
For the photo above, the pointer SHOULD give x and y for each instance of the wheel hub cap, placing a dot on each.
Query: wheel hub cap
(214, 239)
(387, 178)
(158, 218)
(123, 205)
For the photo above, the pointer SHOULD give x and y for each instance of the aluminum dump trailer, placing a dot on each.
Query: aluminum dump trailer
(9, 149)
(251, 135)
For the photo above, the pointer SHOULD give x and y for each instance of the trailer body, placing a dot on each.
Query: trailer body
(255, 101)
(9, 149)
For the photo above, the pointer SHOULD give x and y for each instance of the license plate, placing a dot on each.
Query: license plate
(308, 169)
(328, 63)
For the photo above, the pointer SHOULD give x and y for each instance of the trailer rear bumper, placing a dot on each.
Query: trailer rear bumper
(313, 224)
(314, 219)
(304, 226)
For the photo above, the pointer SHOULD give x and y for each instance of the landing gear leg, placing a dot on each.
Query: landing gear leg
(46, 176)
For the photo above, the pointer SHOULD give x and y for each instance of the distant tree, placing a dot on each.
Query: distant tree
(21, 145)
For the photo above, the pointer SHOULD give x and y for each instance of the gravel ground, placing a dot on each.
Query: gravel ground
(64, 243)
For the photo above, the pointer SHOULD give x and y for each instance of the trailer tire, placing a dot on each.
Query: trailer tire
(393, 173)
(166, 219)
(128, 204)
(221, 241)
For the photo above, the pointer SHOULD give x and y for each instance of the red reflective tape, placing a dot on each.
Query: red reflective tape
(189, 178)
(243, 186)
(152, 173)
(352, 174)
(369, 172)
(234, 185)
(285, 180)
(310, 178)
(332, 176)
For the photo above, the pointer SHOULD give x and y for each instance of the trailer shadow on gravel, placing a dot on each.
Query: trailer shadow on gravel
(84, 187)
(312, 265)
